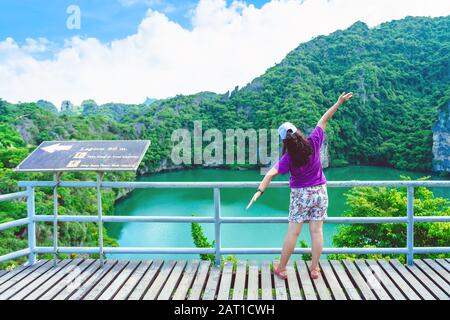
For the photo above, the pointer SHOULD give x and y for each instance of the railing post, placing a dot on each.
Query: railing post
(57, 179)
(217, 222)
(31, 226)
(100, 215)
(410, 225)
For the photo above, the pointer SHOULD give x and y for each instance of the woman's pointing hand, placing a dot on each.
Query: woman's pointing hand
(254, 198)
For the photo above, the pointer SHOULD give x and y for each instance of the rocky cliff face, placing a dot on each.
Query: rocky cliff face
(325, 154)
(441, 141)
(67, 106)
(28, 130)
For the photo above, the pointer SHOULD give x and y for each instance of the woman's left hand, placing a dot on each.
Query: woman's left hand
(344, 97)
(255, 197)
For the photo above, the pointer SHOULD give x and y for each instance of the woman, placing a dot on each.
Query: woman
(309, 197)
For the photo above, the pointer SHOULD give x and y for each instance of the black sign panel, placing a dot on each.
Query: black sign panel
(95, 155)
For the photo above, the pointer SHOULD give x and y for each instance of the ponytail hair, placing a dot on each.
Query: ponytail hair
(298, 148)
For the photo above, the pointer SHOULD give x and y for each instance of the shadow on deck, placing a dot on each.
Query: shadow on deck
(85, 279)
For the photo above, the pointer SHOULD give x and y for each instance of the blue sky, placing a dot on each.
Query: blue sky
(103, 19)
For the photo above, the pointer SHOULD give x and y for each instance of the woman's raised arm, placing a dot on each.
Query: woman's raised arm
(344, 97)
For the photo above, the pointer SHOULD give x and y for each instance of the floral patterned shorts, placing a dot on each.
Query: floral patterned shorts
(309, 203)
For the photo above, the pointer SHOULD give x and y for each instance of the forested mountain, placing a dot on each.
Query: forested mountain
(399, 72)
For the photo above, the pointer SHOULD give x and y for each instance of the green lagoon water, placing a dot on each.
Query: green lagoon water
(186, 202)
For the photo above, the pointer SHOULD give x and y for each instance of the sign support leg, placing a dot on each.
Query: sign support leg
(100, 216)
(57, 180)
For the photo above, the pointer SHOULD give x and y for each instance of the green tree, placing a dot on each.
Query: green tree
(391, 202)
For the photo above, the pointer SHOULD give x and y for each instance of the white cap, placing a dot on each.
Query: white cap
(283, 129)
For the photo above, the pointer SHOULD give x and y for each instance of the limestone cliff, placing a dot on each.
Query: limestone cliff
(441, 141)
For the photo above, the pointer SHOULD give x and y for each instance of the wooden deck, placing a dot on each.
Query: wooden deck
(85, 279)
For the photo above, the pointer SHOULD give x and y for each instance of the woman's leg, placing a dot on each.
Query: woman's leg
(290, 241)
(315, 228)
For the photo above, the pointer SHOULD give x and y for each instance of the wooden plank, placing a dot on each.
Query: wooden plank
(412, 281)
(133, 280)
(2, 272)
(105, 281)
(239, 280)
(280, 286)
(347, 284)
(444, 264)
(372, 280)
(357, 278)
(445, 275)
(157, 285)
(321, 287)
(28, 284)
(212, 284)
(225, 282)
(266, 281)
(199, 282)
(253, 281)
(306, 282)
(398, 280)
(294, 288)
(18, 274)
(146, 281)
(56, 277)
(78, 281)
(433, 275)
(174, 279)
(385, 280)
(427, 282)
(187, 280)
(118, 281)
(68, 279)
(18, 270)
(333, 282)
(92, 281)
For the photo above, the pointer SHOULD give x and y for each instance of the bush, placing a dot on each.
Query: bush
(201, 241)
(391, 202)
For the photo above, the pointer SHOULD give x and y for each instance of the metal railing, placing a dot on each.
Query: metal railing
(217, 219)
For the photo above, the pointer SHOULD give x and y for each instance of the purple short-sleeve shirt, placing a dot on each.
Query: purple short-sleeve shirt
(310, 174)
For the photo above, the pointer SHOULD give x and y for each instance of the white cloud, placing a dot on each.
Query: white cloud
(227, 46)
(36, 45)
